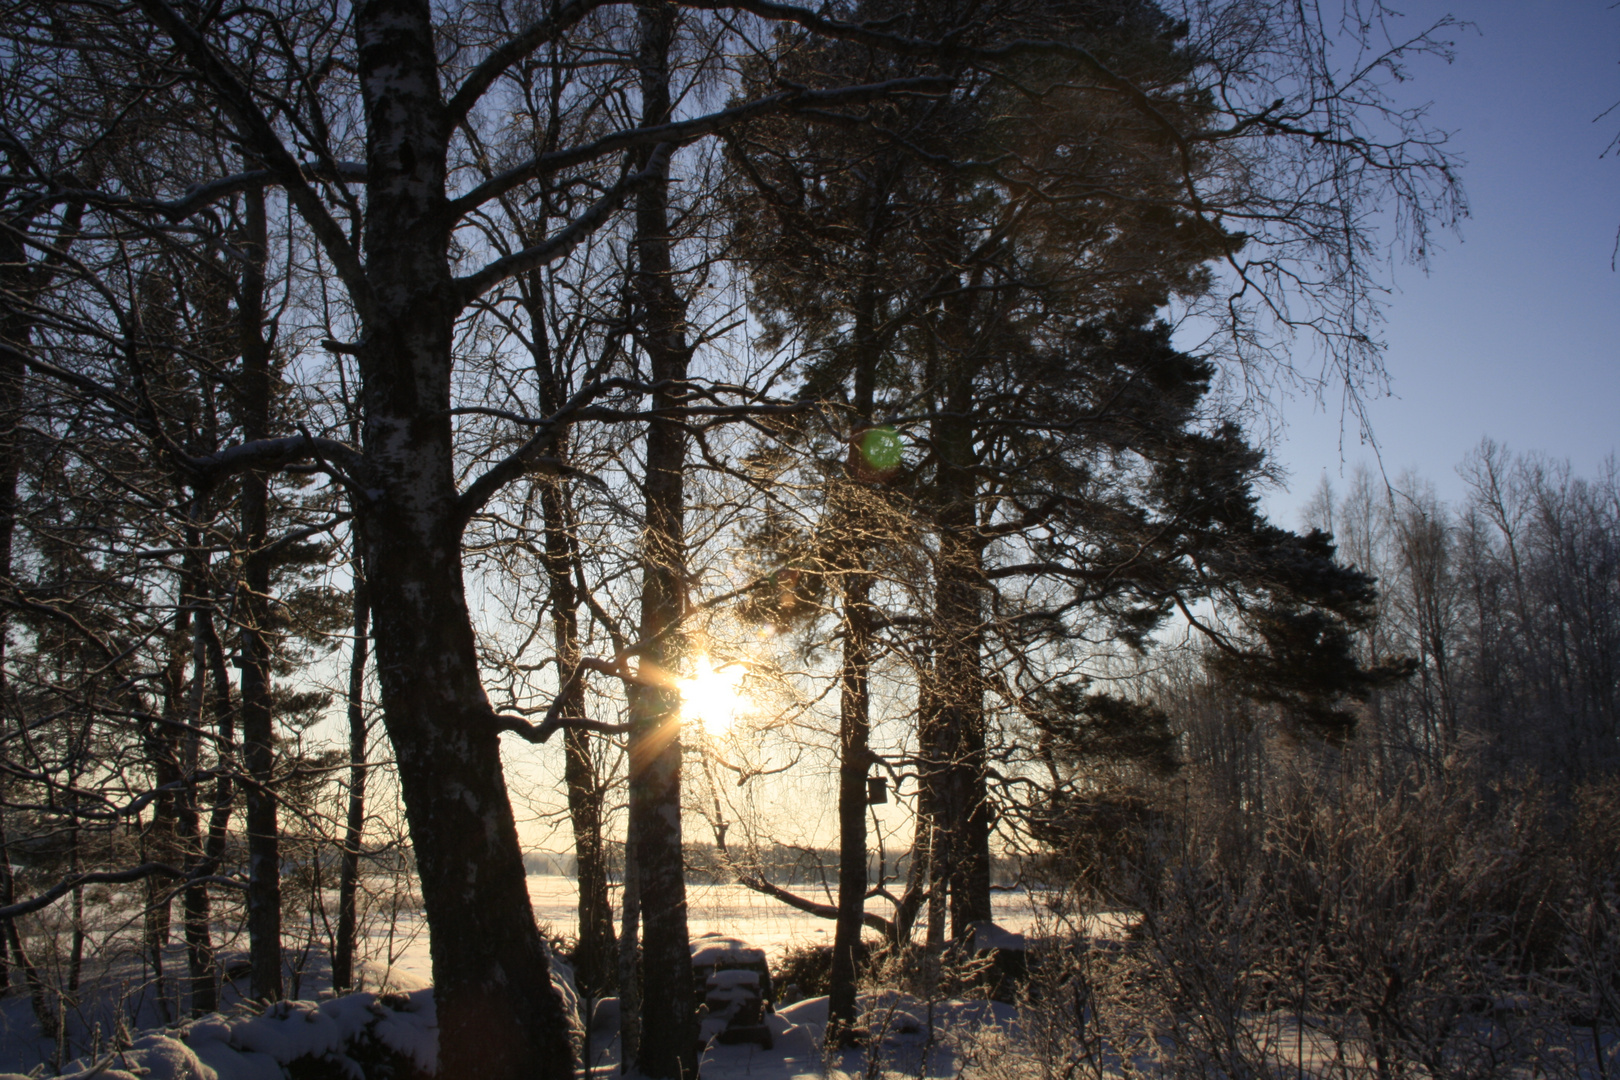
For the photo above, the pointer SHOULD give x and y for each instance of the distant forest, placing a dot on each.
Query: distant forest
(780, 866)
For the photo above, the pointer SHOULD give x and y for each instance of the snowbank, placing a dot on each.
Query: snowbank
(898, 1013)
(256, 1047)
(711, 949)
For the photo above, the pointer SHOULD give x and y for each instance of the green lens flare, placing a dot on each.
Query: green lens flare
(882, 448)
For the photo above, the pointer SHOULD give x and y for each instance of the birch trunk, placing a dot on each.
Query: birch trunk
(498, 1014)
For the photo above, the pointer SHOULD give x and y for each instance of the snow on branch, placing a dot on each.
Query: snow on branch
(273, 454)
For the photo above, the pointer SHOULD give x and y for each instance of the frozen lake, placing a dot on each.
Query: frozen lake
(727, 909)
(741, 912)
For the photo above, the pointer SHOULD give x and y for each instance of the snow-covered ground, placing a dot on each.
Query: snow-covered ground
(908, 1036)
(905, 1036)
(120, 995)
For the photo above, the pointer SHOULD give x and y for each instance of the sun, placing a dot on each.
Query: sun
(712, 696)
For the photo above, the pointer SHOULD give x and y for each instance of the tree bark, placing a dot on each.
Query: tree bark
(161, 745)
(194, 900)
(355, 818)
(596, 959)
(16, 330)
(916, 890)
(957, 691)
(258, 730)
(630, 958)
(668, 1020)
(595, 962)
(855, 761)
(964, 811)
(219, 816)
(854, 704)
(49, 1021)
(499, 1016)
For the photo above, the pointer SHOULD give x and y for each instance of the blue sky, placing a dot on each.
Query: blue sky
(1514, 332)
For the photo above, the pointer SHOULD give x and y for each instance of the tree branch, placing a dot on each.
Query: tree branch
(482, 77)
(539, 733)
(271, 454)
(560, 243)
(201, 196)
(95, 877)
(681, 132)
(811, 907)
(261, 138)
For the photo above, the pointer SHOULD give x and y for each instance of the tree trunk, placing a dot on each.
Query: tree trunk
(161, 744)
(668, 1021)
(855, 760)
(219, 816)
(957, 689)
(964, 808)
(630, 958)
(499, 1016)
(76, 943)
(44, 1013)
(16, 330)
(258, 734)
(194, 905)
(595, 962)
(596, 958)
(355, 820)
(852, 520)
(932, 759)
(195, 914)
(916, 891)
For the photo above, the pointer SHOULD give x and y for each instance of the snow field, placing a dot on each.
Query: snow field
(396, 1009)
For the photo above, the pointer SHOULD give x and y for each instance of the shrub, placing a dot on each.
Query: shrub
(809, 967)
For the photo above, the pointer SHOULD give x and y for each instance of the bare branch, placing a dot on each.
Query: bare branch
(560, 243)
(680, 132)
(261, 137)
(482, 77)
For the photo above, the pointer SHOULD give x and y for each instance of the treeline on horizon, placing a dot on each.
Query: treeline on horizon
(779, 865)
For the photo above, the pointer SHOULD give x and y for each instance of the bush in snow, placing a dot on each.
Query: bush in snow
(1361, 933)
(360, 1036)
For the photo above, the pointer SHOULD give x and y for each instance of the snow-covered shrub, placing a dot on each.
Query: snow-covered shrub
(1591, 922)
(1363, 933)
(809, 967)
(957, 971)
(360, 1036)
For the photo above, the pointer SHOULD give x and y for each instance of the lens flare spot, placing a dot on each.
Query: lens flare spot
(882, 449)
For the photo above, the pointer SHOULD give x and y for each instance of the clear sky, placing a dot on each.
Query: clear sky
(1514, 333)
